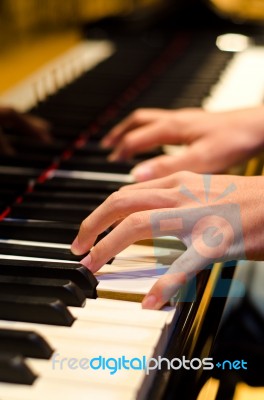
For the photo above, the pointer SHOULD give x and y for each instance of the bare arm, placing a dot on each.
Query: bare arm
(27, 124)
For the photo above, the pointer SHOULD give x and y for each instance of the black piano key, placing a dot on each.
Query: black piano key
(42, 310)
(27, 160)
(32, 250)
(7, 195)
(14, 370)
(97, 164)
(93, 149)
(51, 211)
(65, 197)
(41, 231)
(64, 290)
(25, 343)
(81, 185)
(28, 146)
(16, 183)
(76, 273)
(65, 133)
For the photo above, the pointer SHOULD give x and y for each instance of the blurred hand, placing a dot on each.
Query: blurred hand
(25, 123)
(218, 218)
(215, 141)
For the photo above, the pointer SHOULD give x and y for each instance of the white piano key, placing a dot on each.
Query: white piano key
(127, 282)
(22, 98)
(35, 243)
(151, 253)
(73, 364)
(151, 318)
(90, 175)
(135, 270)
(44, 388)
(112, 306)
(89, 330)
(71, 346)
(11, 257)
(167, 316)
(241, 84)
(161, 319)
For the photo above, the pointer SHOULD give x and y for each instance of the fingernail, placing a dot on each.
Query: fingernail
(105, 144)
(113, 157)
(87, 261)
(149, 302)
(75, 247)
(142, 173)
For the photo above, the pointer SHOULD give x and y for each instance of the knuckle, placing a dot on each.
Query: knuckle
(124, 188)
(127, 141)
(116, 203)
(84, 226)
(115, 199)
(183, 176)
(136, 220)
(138, 115)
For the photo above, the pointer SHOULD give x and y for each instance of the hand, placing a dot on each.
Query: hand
(27, 124)
(216, 141)
(226, 226)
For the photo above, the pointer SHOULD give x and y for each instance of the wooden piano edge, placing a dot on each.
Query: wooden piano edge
(109, 294)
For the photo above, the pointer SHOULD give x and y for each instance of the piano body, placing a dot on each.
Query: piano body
(52, 308)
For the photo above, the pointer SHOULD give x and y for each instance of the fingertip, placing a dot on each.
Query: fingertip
(113, 157)
(87, 262)
(105, 143)
(75, 247)
(151, 302)
(142, 173)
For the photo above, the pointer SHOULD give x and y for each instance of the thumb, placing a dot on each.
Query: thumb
(179, 273)
(157, 167)
(190, 159)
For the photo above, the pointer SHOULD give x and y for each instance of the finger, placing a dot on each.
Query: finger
(191, 159)
(165, 182)
(135, 227)
(134, 120)
(119, 205)
(185, 267)
(5, 147)
(146, 138)
(38, 127)
(26, 123)
(156, 167)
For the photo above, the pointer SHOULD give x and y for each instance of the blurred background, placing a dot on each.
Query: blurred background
(20, 17)
(33, 32)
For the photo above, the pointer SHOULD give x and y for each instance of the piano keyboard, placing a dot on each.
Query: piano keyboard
(46, 190)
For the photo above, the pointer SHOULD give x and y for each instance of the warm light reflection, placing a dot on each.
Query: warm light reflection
(232, 42)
